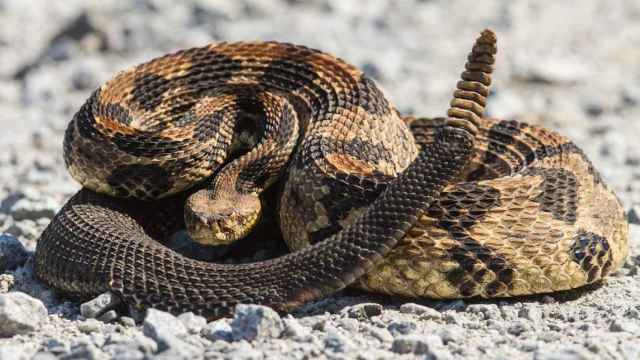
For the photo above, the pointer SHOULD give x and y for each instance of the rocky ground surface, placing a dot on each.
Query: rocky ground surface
(572, 68)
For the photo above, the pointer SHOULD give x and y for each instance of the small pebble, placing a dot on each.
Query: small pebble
(488, 311)
(630, 349)
(56, 346)
(624, 325)
(294, 330)
(251, 322)
(402, 327)
(424, 312)
(530, 312)
(125, 352)
(179, 350)
(453, 305)
(517, 328)
(12, 253)
(84, 351)
(29, 208)
(363, 311)
(127, 321)
(99, 306)
(569, 353)
(109, 316)
(633, 215)
(42, 355)
(416, 344)
(349, 324)
(218, 330)
(20, 314)
(163, 327)
(337, 342)
(382, 334)
(194, 323)
(16, 352)
(89, 326)
(242, 350)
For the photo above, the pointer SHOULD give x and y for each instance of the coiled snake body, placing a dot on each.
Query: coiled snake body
(448, 207)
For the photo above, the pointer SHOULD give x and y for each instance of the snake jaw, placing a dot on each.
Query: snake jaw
(221, 221)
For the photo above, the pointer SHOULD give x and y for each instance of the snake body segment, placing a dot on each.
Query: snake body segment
(446, 207)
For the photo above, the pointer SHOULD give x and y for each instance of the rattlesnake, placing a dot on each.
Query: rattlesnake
(448, 207)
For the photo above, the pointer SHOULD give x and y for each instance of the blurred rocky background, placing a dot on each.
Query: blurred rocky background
(574, 67)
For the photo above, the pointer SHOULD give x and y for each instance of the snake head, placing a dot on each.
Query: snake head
(213, 220)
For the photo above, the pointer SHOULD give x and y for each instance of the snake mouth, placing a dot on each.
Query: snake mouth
(221, 221)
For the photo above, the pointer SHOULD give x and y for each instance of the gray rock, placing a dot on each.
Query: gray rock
(117, 338)
(163, 327)
(85, 351)
(363, 311)
(451, 334)
(12, 253)
(57, 347)
(180, 350)
(452, 318)
(624, 325)
(632, 313)
(242, 350)
(417, 344)
(127, 321)
(194, 323)
(29, 208)
(634, 215)
(549, 336)
(26, 230)
(251, 322)
(218, 330)
(10, 91)
(381, 334)
(20, 314)
(569, 353)
(488, 311)
(453, 305)
(318, 323)
(517, 328)
(348, 324)
(336, 342)
(100, 306)
(530, 312)
(294, 330)
(142, 343)
(109, 316)
(89, 326)
(508, 312)
(123, 352)
(98, 338)
(402, 327)
(219, 347)
(423, 312)
(631, 94)
(16, 352)
(630, 349)
(43, 355)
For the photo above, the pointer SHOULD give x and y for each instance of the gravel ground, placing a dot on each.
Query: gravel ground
(571, 68)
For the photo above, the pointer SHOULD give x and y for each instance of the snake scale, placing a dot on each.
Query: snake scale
(451, 207)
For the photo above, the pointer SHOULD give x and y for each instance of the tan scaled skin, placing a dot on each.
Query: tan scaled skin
(523, 210)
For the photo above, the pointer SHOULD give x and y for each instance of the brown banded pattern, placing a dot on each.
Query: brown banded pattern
(448, 207)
